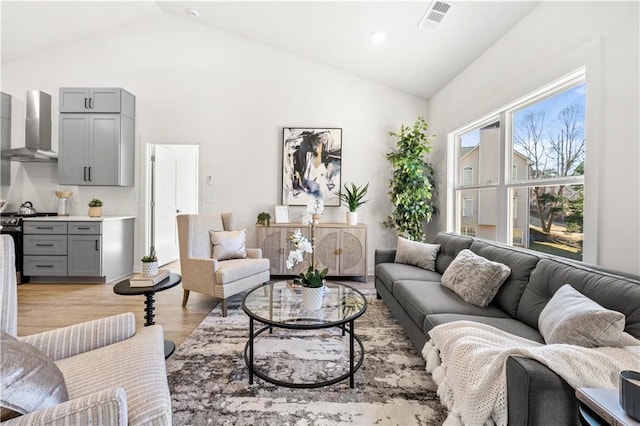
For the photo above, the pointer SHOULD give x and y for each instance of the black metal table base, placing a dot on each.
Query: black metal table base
(353, 366)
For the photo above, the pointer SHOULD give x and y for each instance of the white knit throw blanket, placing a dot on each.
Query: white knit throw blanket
(471, 368)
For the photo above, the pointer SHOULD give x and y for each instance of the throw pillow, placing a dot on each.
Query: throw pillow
(30, 380)
(475, 279)
(572, 318)
(228, 244)
(416, 253)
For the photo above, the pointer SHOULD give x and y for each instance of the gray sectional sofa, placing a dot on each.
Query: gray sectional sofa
(536, 395)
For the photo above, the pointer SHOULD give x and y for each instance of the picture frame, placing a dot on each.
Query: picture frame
(281, 214)
(311, 165)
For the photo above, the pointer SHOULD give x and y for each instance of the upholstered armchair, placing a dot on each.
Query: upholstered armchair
(113, 374)
(203, 273)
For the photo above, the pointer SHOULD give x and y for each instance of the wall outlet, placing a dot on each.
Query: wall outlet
(209, 180)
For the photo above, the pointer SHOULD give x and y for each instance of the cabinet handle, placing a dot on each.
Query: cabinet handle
(91, 103)
(85, 103)
(338, 252)
(89, 173)
(44, 227)
(97, 248)
(44, 266)
(83, 227)
(281, 250)
(44, 245)
(84, 174)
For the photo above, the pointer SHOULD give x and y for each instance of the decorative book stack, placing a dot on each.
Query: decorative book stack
(139, 280)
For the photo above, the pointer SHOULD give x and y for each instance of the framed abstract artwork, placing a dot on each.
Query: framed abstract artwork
(311, 165)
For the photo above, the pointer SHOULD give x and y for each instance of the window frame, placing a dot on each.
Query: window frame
(506, 181)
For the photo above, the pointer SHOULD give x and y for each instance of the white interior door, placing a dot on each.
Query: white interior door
(175, 191)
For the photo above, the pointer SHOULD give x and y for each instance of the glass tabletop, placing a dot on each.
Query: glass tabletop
(280, 304)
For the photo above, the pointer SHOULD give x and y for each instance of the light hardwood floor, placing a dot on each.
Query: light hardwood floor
(44, 307)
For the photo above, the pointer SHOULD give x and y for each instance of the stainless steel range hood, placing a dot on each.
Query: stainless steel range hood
(37, 132)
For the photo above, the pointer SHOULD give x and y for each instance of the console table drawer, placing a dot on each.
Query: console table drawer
(45, 265)
(45, 244)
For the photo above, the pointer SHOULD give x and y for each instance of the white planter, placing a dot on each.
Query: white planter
(352, 218)
(149, 269)
(312, 298)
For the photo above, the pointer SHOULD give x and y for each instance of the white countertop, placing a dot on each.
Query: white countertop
(75, 218)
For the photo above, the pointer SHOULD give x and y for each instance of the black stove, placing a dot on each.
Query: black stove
(12, 225)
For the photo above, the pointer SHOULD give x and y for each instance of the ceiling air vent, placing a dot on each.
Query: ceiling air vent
(434, 14)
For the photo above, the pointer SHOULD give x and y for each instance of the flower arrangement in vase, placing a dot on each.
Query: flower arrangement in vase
(311, 281)
(312, 215)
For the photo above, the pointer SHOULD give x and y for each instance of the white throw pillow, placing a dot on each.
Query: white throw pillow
(572, 318)
(416, 253)
(475, 279)
(228, 244)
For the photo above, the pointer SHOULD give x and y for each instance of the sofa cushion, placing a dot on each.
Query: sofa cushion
(228, 244)
(475, 278)
(450, 245)
(574, 319)
(609, 291)
(416, 253)
(521, 264)
(30, 380)
(136, 364)
(421, 298)
(389, 273)
(510, 325)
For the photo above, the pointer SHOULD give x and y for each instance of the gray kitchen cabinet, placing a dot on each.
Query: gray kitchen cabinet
(5, 137)
(75, 246)
(97, 149)
(82, 99)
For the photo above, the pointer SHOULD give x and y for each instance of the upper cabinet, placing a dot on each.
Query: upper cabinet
(97, 137)
(96, 100)
(5, 137)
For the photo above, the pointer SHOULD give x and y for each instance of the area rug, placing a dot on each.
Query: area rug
(209, 380)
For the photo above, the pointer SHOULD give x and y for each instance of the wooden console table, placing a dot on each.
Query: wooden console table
(602, 407)
(340, 247)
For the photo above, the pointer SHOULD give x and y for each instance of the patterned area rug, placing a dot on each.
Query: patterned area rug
(209, 380)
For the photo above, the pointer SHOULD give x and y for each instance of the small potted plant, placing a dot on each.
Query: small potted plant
(150, 264)
(353, 196)
(95, 208)
(264, 218)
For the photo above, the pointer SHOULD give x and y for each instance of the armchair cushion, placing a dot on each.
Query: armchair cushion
(237, 269)
(228, 244)
(30, 380)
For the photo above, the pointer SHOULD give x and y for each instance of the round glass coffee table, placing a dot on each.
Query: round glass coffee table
(278, 305)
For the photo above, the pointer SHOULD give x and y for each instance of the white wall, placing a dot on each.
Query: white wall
(232, 96)
(554, 39)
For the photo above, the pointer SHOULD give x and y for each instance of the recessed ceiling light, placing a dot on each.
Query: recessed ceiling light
(194, 12)
(378, 37)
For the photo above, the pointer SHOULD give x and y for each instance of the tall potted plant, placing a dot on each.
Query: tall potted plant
(411, 186)
(353, 196)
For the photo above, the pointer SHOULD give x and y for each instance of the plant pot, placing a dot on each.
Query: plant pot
(352, 218)
(150, 269)
(95, 211)
(312, 298)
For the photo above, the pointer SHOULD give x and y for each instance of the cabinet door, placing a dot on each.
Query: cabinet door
(104, 100)
(353, 251)
(74, 99)
(326, 248)
(84, 256)
(73, 149)
(270, 241)
(104, 149)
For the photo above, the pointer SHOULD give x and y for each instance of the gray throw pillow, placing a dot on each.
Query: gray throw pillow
(475, 279)
(572, 318)
(416, 253)
(30, 380)
(228, 244)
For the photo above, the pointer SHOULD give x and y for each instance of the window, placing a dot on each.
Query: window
(468, 230)
(467, 176)
(467, 207)
(534, 197)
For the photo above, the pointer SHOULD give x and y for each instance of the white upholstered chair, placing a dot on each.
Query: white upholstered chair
(114, 375)
(203, 274)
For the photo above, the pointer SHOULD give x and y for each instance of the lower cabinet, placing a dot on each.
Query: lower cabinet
(93, 248)
(340, 247)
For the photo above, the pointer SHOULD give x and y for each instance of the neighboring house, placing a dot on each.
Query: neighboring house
(479, 166)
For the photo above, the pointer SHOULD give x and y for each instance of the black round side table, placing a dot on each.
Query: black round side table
(124, 288)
